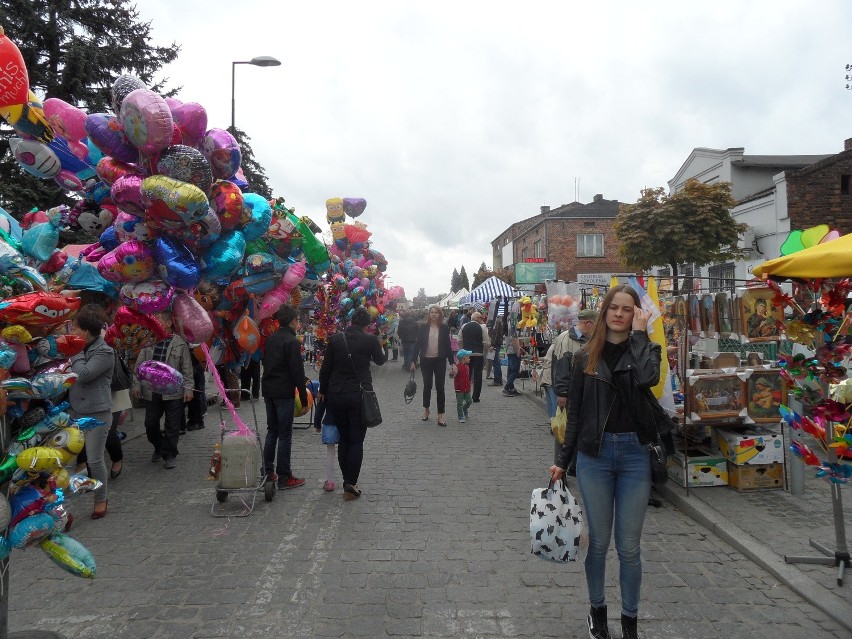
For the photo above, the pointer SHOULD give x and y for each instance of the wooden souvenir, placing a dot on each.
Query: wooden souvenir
(765, 393)
(708, 315)
(716, 396)
(723, 315)
(759, 317)
(694, 313)
(734, 310)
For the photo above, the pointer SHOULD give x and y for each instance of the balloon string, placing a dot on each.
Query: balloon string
(242, 429)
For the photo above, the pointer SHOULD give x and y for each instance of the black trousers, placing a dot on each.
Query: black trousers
(250, 377)
(433, 367)
(166, 442)
(477, 362)
(345, 409)
(197, 406)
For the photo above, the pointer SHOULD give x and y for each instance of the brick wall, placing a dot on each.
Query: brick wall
(814, 194)
(562, 247)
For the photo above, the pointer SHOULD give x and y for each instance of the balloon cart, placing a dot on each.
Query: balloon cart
(238, 468)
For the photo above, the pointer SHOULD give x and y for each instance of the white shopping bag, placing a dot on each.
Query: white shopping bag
(556, 523)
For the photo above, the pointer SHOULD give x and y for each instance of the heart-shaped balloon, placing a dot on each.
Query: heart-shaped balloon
(191, 118)
(126, 193)
(354, 206)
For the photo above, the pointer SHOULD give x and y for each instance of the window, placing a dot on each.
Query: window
(524, 254)
(721, 278)
(538, 249)
(844, 185)
(688, 284)
(590, 245)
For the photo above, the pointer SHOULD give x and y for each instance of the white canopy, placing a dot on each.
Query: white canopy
(490, 289)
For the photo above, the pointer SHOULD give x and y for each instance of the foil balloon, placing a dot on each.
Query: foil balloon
(17, 388)
(15, 80)
(22, 360)
(126, 193)
(31, 530)
(36, 158)
(69, 122)
(68, 442)
(223, 152)
(123, 86)
(27, 118)
(38, 309)
(354, 206)
(39, 458)
(224, 256)
(176, 264)
(186, 164)
(160, 377)
(110, 169)
(52, 385)
(334, 211)
(7, 355)
(95, 219)
(109, 240)
(151, 296)
(40, 240)
(130, 227)
(192, 322)
(106, 133)
(191, 119)
(55, 347)
(131, 262)
(256, 216)
(247, 334)
(69, 554)
(171, 202)
(146, 120)
(132, 331)
(300, 410)
(357, 233)
(227, 200)
(273, 300)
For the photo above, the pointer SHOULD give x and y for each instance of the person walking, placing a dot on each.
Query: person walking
(91, 393)
(345, 371)
(434, 352)
(473, 337)
(283, 377)
(497, 333)
(610, 426)
(407, 333)
(513, 355)
(461, 384)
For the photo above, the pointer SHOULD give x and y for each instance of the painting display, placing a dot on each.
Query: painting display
(765, 393)
(716, 396)
(760, 318)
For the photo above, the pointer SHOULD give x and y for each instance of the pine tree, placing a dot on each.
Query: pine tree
(74, 51)
(454, 281)
(464, 282)
(254, 173)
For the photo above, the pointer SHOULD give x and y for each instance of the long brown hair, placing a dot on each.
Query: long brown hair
(429, 316)
(594, 347)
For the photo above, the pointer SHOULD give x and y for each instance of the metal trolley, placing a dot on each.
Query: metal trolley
(241, 472)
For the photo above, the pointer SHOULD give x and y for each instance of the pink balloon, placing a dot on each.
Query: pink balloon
(151, 296)
(192, 322)
(126, 193)
(273, 299)
(69, 122)
(129, 262)
(191, 119)
(147, 121)
(131, 227)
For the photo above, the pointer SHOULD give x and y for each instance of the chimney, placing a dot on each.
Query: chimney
(545, 209)
(847, 144)
(599, 198)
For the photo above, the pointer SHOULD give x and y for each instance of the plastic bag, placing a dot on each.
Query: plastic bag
(558, 423)
(556, 523)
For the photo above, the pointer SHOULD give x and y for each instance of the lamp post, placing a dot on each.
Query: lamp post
(259, 61)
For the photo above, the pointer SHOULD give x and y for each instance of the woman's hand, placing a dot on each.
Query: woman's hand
(320, 397)
(640, 319)
(556, 472)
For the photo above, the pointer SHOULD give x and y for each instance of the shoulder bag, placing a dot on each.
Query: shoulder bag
(121, 379)
(371, 415)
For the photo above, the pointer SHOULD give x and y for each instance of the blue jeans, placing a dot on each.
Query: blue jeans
(498, 370)
(617, 481)
(550, 397)
(512, 371)
(279, 431)
(408, 349)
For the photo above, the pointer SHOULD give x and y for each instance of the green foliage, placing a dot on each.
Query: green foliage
(464, 282)
(454, 281)
(481, 275)
(693, 225)
(254, 173)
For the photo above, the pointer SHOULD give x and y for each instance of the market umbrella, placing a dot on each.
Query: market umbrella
(832, 259)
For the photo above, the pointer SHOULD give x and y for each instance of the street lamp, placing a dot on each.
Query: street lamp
(259, 61)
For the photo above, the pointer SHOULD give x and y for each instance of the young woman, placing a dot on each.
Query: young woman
(609, 425)
(434, 351)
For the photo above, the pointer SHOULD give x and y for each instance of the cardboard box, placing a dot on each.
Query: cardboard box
(755, 445)
(756, 477)
(703, 469)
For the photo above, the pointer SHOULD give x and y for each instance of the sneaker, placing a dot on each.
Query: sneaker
(510, 393)
(466, 415)
(271, 477)
(156, 456)
(290, 482)
(461, 420)
(328, 486)
(170, 463)
(628, 627)
(195, 426)
(597, 623)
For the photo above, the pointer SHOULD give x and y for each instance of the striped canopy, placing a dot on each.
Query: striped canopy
(490, 289)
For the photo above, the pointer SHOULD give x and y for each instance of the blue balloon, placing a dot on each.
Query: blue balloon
(259, 214)
(224, 255)
(108, 238)
(176, 263)
(40, 240)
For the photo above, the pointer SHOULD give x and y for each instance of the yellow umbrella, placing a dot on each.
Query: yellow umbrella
(832, 259)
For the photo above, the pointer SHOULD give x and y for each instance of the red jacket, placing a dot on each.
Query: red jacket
(462, 380)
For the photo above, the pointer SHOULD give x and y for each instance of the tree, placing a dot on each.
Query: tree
(693, 225)
(464, 282)
(254, 173)
(506, 274)
(74, 51)
(481, 275)
(419, 301)
(454, 281)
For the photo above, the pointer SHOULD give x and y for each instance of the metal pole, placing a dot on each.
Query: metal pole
(233, 100)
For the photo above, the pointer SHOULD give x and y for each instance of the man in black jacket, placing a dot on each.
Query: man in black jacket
(283, 377)
(472, 337)
(407, 333)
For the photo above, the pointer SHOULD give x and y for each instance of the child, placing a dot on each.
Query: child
(462, 384)
(323, 423)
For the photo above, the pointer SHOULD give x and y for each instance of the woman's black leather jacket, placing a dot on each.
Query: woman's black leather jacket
(590, 397)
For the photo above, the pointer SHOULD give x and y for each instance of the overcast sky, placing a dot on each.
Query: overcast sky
(455, 119)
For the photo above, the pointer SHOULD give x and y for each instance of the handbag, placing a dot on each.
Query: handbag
(659, 470)
(556, 523)
(121, 379)
(410, 389)
(371, 414)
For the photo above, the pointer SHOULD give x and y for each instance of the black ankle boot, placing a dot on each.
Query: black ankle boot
(597, 623)
(628, 627)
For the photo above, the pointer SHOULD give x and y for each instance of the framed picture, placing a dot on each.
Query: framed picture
(765, 392)
(694, 304)
(724, 322)
(716, 396)
(759, 317)
(708, 315)
(734, 309)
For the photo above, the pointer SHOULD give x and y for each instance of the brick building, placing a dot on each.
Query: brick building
(820, 193)
(578, 238)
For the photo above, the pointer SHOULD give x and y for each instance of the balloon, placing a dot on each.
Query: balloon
(69, 122)
(39, 458)
(96, 220)
(131, 262)
(106, 134)
(191, 119)
(123, 86)
(176, 264)
(40, 308)
(22, 360)
(68, 442)
(131, 330)
(31, 530)
(192, 322)
(357, 233)
(172, 203)
(354, 206)
(27, 118)
(161, 377)
(273, 300)
(223, 152)
(147, 121)
(13, 73)
(186, 164)
(247, 334)
(227, 200)
(224, 255)
(256, 216)
(69, 554)
(126, 193)
(110, 169)
(17, 388)
(51, 385)
(334, 210)
(130, 227)
(300, 410)
(36, 158)
(40, 241)
(53, 347)
(7, 355)
(151, 296)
